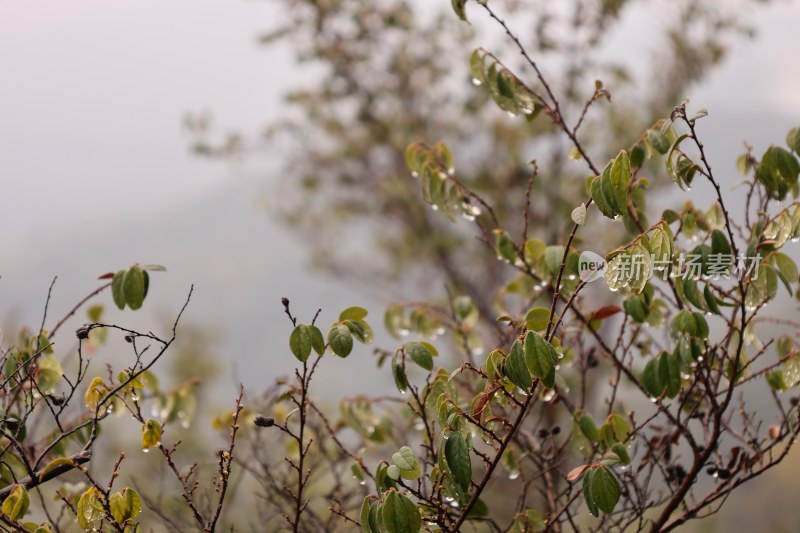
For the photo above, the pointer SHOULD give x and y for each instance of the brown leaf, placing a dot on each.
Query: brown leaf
(577, 472)
(605, 312)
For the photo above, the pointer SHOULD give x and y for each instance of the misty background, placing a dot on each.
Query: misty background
(97, 173)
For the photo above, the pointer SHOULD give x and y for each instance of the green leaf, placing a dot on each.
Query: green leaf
(16, 503)
(605, 489)
(151, 434)
(360, 330)
(301, 341)
(407, 463)
(711, 301)
(588, 428)
(364, 517)
(458, 7)
(515, 368)
(635, 307)
(541, 358)
(456, 453)
(317, 340)
(125, 505)
(588, 477)
(669, 374)
(536, 319)
(117, 292)
(719, 243)
(399, 375)
(651, 380)
(54, 464)
(693, 324)
(658, 141)
(600, 200)
(420, 354)
(504, 246)
(786, 267)
(793, 140)
(353, 313)
(618, 429)
(133, 286)
(620, 177)
(622, 452)
(340, 340)
(90, 508)
(400, 514)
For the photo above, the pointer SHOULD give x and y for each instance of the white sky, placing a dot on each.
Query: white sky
(92, 96)
(93, 92)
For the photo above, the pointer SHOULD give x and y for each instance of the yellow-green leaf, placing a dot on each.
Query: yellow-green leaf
(16, 504)
(52, 465)
(151, 434)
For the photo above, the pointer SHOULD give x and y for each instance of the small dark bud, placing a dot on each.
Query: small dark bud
(543, 434)
(285, 301)
(724, 473)
(264, 421)
(794, 401)
(57, 400)
(591, 361)
(83, 332)
(555, 431)
(711, 470)
(128, 338)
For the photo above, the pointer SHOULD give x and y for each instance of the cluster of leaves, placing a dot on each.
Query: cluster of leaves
(47, 434)
(676, 349)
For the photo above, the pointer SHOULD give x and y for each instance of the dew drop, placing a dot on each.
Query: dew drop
(415, 174)
(476, 82)
(510, 114)
(434, 207)
(145, 450)
(513, 475)
(653, 400)
(362, 482)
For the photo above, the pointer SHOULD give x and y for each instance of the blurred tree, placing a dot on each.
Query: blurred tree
(389, 72)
